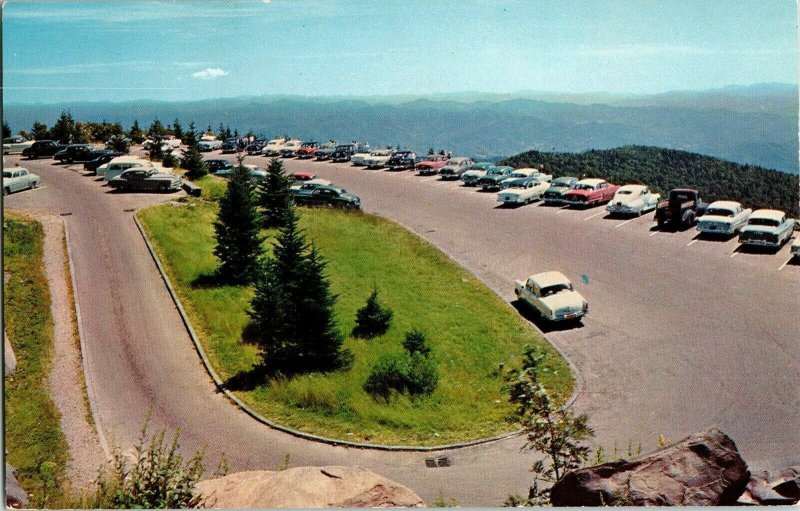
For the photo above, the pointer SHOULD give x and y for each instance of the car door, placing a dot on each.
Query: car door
(16, 181)
(135, 179)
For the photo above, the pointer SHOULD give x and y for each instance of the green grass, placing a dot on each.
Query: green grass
(471, 329)
(34, 441)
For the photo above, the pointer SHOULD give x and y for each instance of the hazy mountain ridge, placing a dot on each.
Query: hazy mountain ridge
(754, 125)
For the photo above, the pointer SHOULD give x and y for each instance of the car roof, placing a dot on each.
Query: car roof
(591, 181)
(15, 168)
(631, 187)
(128, 159)
(548, 278)
(303, 174)
(563, 178)
(724, 204)
(772, 214)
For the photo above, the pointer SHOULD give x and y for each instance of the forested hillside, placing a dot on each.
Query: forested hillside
(664, 169)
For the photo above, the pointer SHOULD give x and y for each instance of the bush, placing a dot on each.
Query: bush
(169, 160)
(391, 371)
(411, 372)
(373, 319)
(415, 342)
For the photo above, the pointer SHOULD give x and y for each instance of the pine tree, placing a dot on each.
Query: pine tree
(177, 129)
(40, 131)
(237, 230)
(156, 129)
(275, 195)
(136, 134)
(6, 130)
(155, 151)
(372, 319)
(64, 128)
(193, 160)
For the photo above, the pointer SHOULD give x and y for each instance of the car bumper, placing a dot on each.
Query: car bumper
(622, 210)
(760, 243)
(716, 229)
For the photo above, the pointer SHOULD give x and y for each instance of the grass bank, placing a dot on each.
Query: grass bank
(34, 441)
(471, 329)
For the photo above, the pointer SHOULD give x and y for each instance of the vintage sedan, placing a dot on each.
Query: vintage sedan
(553, 296)
(455, 167)
(590, 192)
(306, 150)
(310, 184)
(359, 158)
(767, 228)
(12, 145)
(344, 152)
(474, 172)
(378, 158)
(558, 189)
(328, 196)
(430, 164)
(40, 148)
(494, 178)
(146, 180)
(527, 172)
(19, 178)
(633, 200)
(290, 148)
(325, 150)
(119, 165)
(255, 172)
(402, 160)
(274, 147)
(207, 145)
(302, 176)
(218, 164)
(723, 217)
(519, 191)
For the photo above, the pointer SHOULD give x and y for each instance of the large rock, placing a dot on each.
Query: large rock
(307, 487)
(705, 469)
(773, 489)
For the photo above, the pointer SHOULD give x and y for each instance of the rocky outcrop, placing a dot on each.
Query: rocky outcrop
(773, 489)
(704, 469)
(307, 487)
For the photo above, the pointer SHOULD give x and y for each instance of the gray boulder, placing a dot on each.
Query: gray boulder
(773, 489)
(704, 469)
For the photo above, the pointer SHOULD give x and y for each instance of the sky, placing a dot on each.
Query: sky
(102, 51)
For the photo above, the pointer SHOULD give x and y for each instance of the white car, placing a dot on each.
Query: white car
(723, 217)
(455, 167)
(359, 159)
(206, 145)
(796, 248)
(289, 148)
(526, 173)
(767, 228)
(16, 144)
(119, 165)
(633, 200)
(313, 182)
(19, 178)
(521, 191)
(378, 158)
(273, 147)
(553, 296)
(255, 172)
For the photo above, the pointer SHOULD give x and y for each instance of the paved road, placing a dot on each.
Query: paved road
(682, 334)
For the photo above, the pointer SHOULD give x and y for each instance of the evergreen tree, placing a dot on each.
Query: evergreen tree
(136, 134)
(40, 131)
(275, 195)
(177, 129)
(237, 230)
(193, 160)
(221, 132)
(372, 319)
(81, 133)
(156, 129)
(64, 128)
(6, 130)
(155, 151)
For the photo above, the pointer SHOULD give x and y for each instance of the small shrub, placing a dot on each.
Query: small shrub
(389, 373)
(423, 377)
(411, 372)
(169, 160)
(373, 319)
(415, 342)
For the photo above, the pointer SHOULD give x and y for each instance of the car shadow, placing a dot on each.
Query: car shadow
(714, 237)
(671, 228)
(529, 313)
(749, 249)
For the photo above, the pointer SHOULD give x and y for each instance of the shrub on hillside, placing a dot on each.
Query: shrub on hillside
(169, 160)
(373, 319)
(415, 342)
(411, 372)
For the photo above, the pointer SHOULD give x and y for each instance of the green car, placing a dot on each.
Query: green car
(326, 196)
(558, 188)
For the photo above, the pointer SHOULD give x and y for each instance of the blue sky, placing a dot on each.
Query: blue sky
(56, 52)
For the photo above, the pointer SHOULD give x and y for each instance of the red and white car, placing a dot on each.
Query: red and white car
(430, 164)
(590, 192)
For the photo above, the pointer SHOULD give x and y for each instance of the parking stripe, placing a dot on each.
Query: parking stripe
(563, 208)
(626, 222)
(735, 251)
(654, 233)
(787, 262)
(692, 242)
(596, 215)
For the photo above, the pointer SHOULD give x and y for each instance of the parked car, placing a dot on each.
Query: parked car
(309, 184)
(146, 180)
(767, 228)
(119, 165)
(553, 296)
(169, 142)
(590, 192)
(218, 164)
(558, 189)
(255, 172)
(19, 178)
(208, 145)
(306, 150)
(723, 217)
(401, 160)
(343, 153)
(430, 164)
(101, 159)
(474, 172)
(325, 151)
(359, 158)
(494, 177)
(455, 167)
(796, 248)
(633, 200)
(274, 147)
(256, 147)
(328, 196)
(378, 158)
(230, 145)
(681, 209)
(12, 145)
(290, 148)
(42, 148)
(302, 176)
(75, 153)
(527, 172)
(522, 190)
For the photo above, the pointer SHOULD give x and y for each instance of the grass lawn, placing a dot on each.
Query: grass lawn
(470, 328)
(34, 441)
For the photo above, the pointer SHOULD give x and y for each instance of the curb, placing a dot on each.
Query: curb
(300, 434)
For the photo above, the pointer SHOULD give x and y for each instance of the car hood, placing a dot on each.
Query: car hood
(571, 300)
(494, 177)
(475, 173)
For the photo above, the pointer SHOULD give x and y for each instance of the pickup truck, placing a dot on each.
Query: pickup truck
(681, 209)
(42, 148)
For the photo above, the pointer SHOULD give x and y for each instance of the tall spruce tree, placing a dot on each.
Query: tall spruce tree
(275, 195)
(192, 160)
(136, 134)
(237, 230)
(64, 128)
(293, 308)
(155, 151)
(6, 130)
(40, 131)
(177, 129)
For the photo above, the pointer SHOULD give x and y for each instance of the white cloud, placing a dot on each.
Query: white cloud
(210, 73)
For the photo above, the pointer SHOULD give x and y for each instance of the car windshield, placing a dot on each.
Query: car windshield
(309, 144)
(562, 181)
(719, 212)
(584, 187)
(680, 196)
(518, 185)
(558, 288)
(7, 174)
(770, 222)
(625, 192)
(494, 172)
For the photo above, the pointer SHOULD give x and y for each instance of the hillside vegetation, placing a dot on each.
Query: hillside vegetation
(664, 169)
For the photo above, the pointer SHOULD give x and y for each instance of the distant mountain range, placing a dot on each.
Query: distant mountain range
(755, 125)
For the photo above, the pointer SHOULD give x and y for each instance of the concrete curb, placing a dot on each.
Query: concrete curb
(300, 434)
(89, 385)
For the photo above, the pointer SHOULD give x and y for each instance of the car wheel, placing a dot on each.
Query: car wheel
(6, 191)
(163, 187)
(69, 160)
(34, 184)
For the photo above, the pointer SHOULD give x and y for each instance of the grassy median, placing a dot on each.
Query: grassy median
(471, 329)
(34, 441)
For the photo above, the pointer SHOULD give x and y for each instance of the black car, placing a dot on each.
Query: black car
(42, 148)
(328, 196)
(343, 153)
(215, 165)
(231, 145)
(256, 146)
(75, 153)
(101, 157)
(402, 160)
